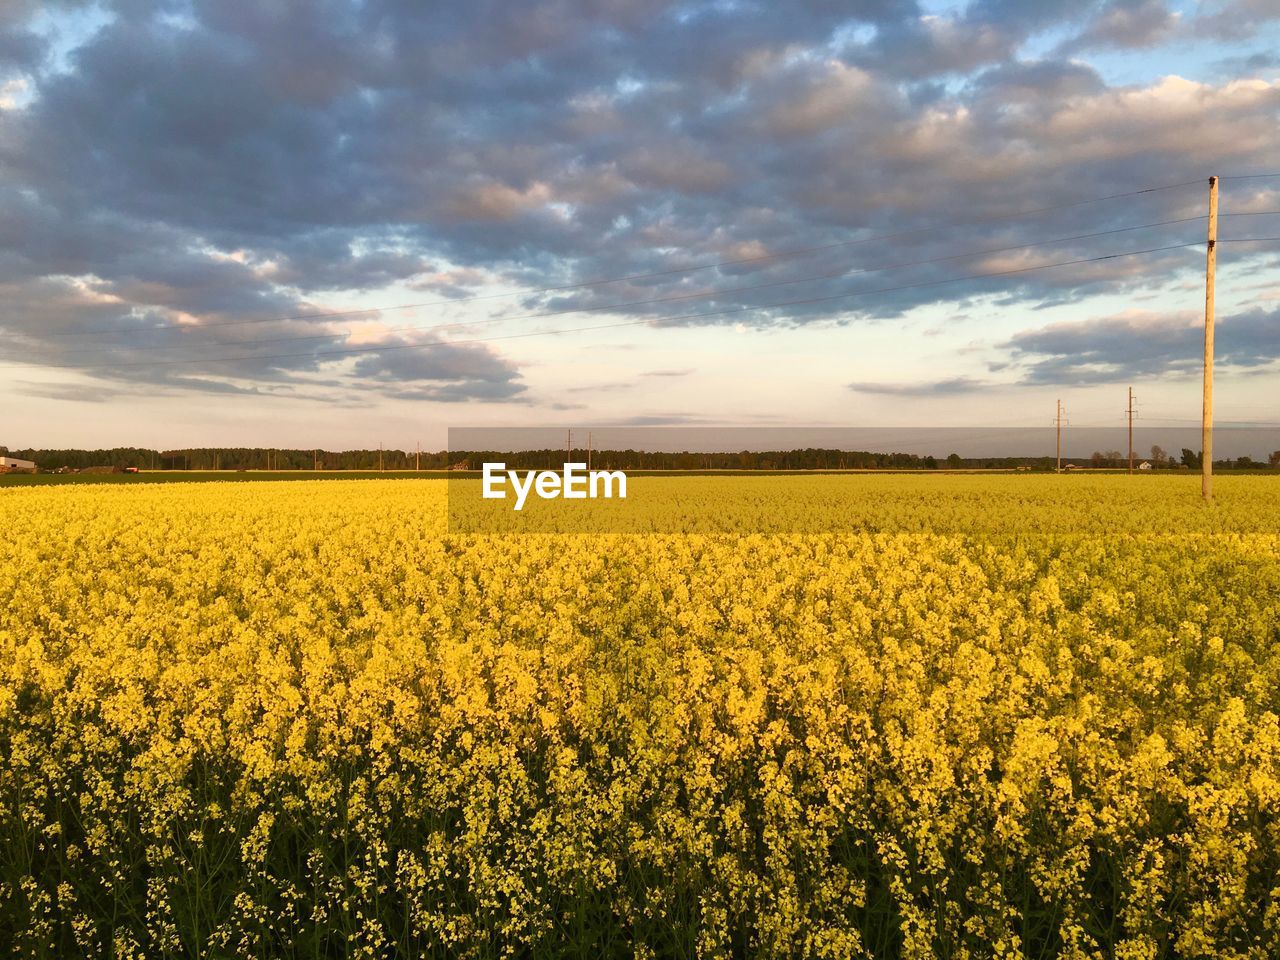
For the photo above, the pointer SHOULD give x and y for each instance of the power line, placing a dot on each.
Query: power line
(658, 300)
(353, 351)
(781, 254)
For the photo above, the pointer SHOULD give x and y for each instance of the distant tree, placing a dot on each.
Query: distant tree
(1274, 459)
(1245, 462)
(1158, 456)
(954, 461)
(1190, 459)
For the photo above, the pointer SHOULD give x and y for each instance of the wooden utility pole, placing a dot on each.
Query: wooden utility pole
(1058, 420)
(568, 447)
(1210, 268)
(1129, 411)
(588, 451)
(379, 458)
(417, 457)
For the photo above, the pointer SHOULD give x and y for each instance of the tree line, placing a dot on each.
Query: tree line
(259, 458)
(810, 458)
(1190, 459)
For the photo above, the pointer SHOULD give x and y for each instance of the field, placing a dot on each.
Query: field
(1019, 716)
(237, 476)
(203, 476)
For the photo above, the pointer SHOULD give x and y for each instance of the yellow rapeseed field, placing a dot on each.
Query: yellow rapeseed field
(979, 717)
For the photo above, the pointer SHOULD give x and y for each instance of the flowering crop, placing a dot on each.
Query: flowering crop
(304, 719)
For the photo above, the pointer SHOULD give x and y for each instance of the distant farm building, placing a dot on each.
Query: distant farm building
(1144, 465)
(13, 463)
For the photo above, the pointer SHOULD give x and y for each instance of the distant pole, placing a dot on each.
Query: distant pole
(1058, 420)
(315, 459)
(1129, 411)
(417, 457)
(1210, 268)
(568, 447)
(588, 450)
(379, 458)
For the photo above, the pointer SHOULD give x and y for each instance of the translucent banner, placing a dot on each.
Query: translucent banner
(745, 481)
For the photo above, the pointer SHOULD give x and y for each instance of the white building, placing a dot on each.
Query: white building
(13, 463)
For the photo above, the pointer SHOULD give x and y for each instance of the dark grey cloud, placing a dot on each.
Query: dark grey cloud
(439, 371)
(1028, 83)
(1137, 344)
(20, 49)
(72, 392)
(1247, 64)
(168, 382)
(612, 387)
(660, 420)
(1125, 24)
(230, 160)
(1234, 19)
(940, 388)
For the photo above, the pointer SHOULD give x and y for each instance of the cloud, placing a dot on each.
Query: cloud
(613, 387)
(1247, 64)
(179, 180)
(1143, 344)
(1234, 19)
(618, 386)
(940, 388)
(1126, 24)
(659, 420)
(438, 371)
(71, 392)
(492, 200)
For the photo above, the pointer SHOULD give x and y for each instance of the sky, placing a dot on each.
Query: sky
(338, 224)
